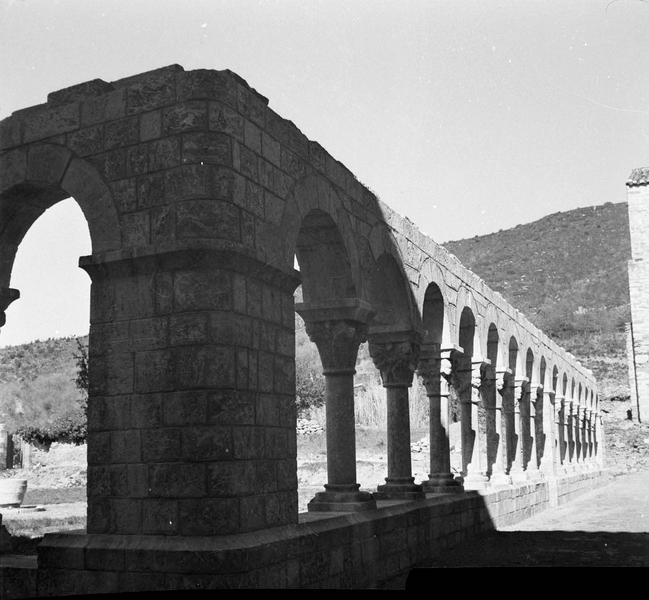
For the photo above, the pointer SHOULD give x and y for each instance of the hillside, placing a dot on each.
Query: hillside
(567, 273)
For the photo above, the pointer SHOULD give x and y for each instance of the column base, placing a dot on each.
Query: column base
(442, 483)
(399, 489)
(475, 481)
(518, 475)
(500, 479)
(342, 498)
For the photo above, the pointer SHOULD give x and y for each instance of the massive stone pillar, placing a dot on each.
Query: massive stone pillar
(338, 331)
(517, 469)
(395, 354)
(499, 475)
(435, 370)
(476, 469)
(191, 410)
(7, 296)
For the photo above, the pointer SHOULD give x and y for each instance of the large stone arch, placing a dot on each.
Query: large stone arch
(36, 177)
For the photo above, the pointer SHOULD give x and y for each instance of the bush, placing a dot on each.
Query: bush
(49, 408)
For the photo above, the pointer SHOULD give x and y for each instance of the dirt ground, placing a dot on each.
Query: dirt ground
(60, 475)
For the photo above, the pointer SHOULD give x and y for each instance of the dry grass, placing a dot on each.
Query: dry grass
(370, 407)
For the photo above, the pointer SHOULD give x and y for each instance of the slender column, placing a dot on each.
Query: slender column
(338, 332)
(516, 470)
(576, 422)
(561, 434)
(590, 436)
(584, 436)
(548, 458)
(532, 467)
(570, 443)
(499, 476)
(395, 354)
(476, 469)
(435, 370)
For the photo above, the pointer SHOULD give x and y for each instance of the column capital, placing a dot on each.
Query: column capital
(395, 354)
(478, 368)
(337, 331)
(502, 377)
(521, 385)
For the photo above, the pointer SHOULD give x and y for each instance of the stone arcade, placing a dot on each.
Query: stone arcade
(198, 197)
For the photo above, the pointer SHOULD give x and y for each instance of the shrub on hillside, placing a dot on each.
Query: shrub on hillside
(49, 408)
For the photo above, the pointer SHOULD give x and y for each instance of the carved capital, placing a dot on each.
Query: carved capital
(521, 387)
(502, 378)
(337, 343)
(396, 357)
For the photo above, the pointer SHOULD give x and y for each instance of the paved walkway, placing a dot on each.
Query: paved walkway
(608, 527)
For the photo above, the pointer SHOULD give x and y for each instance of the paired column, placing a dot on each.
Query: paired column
(476, 469)
(548, 458)
(532, 467)
(435, 370)
(395, 354)
(499, 475)
(338, 332)
(517, 469)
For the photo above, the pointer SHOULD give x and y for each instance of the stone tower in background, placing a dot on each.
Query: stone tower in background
(638, 205)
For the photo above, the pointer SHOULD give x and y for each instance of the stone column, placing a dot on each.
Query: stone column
(338, 332)
(590, 436)
(499, 476)
(560, 450)
(548, 459)
(532, 467)
(476, 469)
(517, 469)
(395, 355)
(576, 422)
(584, 436)
(435, 370)
(568, 420)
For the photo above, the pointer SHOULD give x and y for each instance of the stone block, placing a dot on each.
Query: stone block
(204, 367)
(123, 132)
(248, 442)
(266, 476)
(212, 219)
(208, 516)
(98, 481)
(151, 90)
(106, 107)
(151, 190)
(252, 105)
(125, 195)
(253, 512)
(146, 411)
(142, 582)
(185, 408)
(154, 371)
(10, 133)
(207, 147)
(98, 447)
(63, 582)
(232, 478)
(266, 375)
(164, 154)
(86, 141)
(162, 224)
(150, 125)
(126, 515)
(125, 446)
(224, 119)
(186, 116)
(230, 407)
(188, 328)
(161, 444)
(267, 410)
(270, 149)
(137, 160)
(44, 122)
(177, 480)
(136, 229)
(160, 516)
(148, 334)
(111, 165)
(207, 84)
(207, 443)
(202, 290)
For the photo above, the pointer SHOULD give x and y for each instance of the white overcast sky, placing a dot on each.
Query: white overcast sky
(466, 116)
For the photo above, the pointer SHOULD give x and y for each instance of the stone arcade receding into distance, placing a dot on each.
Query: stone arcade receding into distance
(198, 197)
